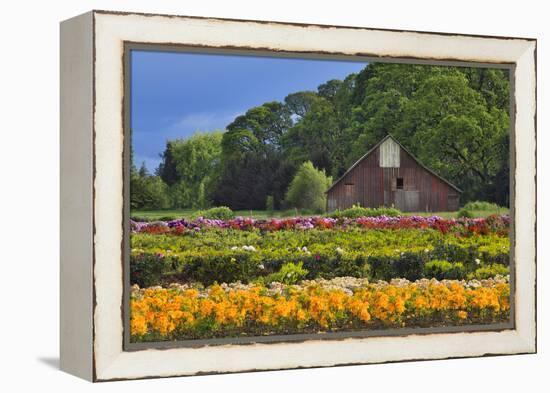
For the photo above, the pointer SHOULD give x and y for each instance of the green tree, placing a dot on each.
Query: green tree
(253, 165)
(457, 134)
(146, 191)
(308, 188)
(300, 103)
(191, 167)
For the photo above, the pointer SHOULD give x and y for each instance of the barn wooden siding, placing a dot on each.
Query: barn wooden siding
(372, 183)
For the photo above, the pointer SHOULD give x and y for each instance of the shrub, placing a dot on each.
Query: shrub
(441, 270)
(148, 192)
(357, 211)
(331, 266)
(308, 187)
(218, 268)
(489, 271)
(290, 274)
(147, 269)
(407, 265)
(480, 205)
(464, 213)
(217, 213)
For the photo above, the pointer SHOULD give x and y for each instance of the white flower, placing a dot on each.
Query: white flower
(234, 247)
(304, 249)
(261, 266)
(339, 250)
(477, 261)
(249, 248)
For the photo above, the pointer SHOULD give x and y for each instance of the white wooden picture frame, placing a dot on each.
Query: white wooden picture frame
(92, 192)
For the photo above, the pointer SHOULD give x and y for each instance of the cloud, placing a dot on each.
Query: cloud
(204, 121)
(149, 145)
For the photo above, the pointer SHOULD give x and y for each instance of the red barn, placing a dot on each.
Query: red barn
(388, 175)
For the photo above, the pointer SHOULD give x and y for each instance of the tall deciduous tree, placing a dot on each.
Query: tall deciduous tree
(191, 168)
(253, 165)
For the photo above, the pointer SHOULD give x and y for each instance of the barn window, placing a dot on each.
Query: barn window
(399, 183)
(349, 189)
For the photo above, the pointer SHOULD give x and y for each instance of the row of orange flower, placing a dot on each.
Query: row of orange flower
(173, 314)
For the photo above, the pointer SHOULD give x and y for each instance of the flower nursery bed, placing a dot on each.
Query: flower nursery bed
(225, 254)
(182, 312)
(494, 223)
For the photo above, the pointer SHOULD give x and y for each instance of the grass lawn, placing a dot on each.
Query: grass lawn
(262, 214)
(475, 213)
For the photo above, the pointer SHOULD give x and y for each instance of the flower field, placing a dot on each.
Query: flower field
(244, 277)
(181, 312)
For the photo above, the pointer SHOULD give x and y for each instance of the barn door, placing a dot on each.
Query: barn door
(349, 191)
(407, 201)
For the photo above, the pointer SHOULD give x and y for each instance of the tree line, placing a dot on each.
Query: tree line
(453, 119)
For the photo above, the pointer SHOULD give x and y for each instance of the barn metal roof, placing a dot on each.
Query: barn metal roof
(389, 136)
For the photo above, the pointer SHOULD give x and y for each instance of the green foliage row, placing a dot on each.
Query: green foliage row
(469, 209)
(481, 205)
(225, 213)
(441, 269)
(464, 213)
(358, 211)
(228, 255)
(151, 269)
(216, 213)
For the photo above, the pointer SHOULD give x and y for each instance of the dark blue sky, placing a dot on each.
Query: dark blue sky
(176, 94)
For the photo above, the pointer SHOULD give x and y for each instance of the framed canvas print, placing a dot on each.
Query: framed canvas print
(248, 195)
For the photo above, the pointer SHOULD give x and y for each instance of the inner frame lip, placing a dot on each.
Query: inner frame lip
(129, 46)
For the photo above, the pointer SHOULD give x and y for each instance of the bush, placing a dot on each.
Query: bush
(218, 268)
(407, 265)
(147, 269)
(148, 192)
(308, 187)
(217, 213)
(464, 213)
(489, 271)
(441, 270)
(480, 205)
(357, 211)
(290, 274)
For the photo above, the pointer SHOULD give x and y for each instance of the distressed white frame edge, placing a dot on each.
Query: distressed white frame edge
(76, 205)
(112, 30)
